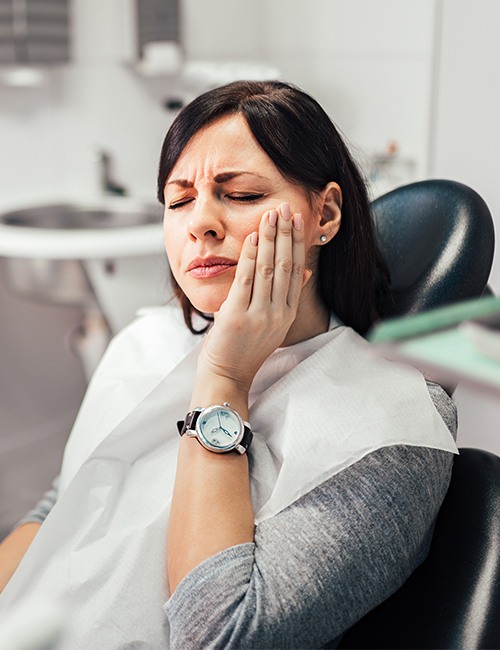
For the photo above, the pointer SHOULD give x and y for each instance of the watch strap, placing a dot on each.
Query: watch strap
(247, 438)
(189, 421)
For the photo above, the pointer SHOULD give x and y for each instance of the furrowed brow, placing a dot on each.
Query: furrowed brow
(182, 182)
(223, 177)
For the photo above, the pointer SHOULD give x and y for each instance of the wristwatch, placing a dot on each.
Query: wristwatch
(217, 428)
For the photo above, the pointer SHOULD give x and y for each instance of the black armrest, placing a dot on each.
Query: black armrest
(453, 599)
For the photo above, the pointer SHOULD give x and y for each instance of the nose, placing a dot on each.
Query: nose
(206, 220)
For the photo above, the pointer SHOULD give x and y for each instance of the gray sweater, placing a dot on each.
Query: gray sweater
(319, 565)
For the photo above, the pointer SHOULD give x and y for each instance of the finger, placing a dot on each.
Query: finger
(287, 255)
(240, 293)
(283, 255)
(299, 275)
(264, 270)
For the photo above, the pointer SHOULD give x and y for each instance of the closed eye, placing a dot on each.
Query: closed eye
(245, 197)
(179, 204)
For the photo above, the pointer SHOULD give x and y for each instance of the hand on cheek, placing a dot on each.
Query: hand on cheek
(263, 300)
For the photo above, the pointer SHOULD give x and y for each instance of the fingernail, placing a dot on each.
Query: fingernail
(254, 238)
(273, 218)
(307, 276)
(298, 222)
(285, 211)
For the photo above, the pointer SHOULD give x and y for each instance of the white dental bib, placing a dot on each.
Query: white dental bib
(316, 408)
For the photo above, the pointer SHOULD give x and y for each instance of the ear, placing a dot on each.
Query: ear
(330, 207)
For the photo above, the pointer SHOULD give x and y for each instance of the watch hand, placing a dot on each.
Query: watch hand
(222, 428)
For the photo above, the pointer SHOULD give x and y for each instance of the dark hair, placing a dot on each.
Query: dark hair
(304, 144)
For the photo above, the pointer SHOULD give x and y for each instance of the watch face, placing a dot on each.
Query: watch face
(220, 428)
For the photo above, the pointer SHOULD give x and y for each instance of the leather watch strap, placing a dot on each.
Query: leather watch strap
(189, 422)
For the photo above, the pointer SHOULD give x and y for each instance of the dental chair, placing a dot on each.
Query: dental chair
(438, 240)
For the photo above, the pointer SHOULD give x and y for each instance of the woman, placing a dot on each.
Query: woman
(286, 536)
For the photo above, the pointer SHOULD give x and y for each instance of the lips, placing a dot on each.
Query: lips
(210, 267)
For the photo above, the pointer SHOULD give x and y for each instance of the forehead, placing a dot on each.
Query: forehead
(225, 144)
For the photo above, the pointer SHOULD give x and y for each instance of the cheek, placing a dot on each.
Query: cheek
(241, 221)
(173, 248)
(311, 236)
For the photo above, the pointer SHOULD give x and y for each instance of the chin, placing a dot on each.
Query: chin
(207, 307)
(208, 301)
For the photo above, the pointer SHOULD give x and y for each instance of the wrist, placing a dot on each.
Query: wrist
(210, 388)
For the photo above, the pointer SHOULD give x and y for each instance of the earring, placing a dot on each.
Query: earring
(323, 239)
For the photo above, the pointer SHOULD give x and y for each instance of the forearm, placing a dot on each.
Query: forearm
(13, 548)
(211, 506)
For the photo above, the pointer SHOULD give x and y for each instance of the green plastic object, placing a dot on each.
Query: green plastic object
(450, 354)
(432, 320)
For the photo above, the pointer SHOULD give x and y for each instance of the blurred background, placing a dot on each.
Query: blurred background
(87, 91)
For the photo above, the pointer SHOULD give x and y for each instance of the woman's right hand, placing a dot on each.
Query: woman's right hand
(262, 302)
(252, 322)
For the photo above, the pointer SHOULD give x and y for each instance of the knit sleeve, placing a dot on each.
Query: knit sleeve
(318, 566)
(39, 513)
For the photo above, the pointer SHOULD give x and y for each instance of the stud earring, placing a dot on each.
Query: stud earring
(323, 239)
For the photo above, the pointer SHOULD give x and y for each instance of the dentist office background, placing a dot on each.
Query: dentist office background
(87, 91)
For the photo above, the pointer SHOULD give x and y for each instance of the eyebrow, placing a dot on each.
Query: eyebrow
(223, 177)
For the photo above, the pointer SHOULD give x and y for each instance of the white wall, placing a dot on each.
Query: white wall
(467, 138)
(368, 62)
